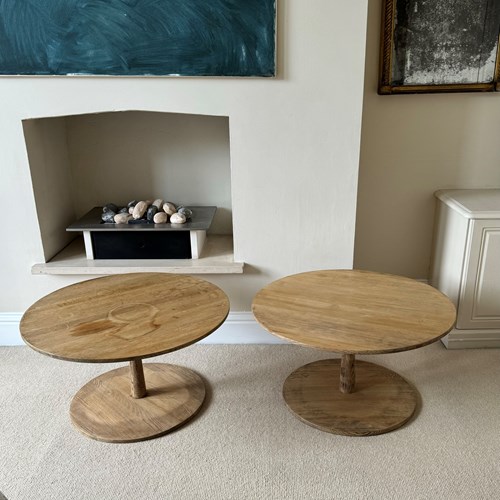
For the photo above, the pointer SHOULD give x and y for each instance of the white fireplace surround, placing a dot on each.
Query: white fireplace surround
(293, 155)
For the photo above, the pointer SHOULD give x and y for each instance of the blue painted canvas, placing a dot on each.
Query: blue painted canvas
(138, 37)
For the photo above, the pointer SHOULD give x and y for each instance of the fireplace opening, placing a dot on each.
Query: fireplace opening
(79, 162)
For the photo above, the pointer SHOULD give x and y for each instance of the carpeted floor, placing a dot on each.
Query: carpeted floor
(245, 444)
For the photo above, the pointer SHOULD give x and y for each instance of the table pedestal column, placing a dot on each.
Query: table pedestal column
(137, 379)
(371, 399)
(347, 373)
(116, 407)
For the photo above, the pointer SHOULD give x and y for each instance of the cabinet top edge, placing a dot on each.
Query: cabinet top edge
(472, 203)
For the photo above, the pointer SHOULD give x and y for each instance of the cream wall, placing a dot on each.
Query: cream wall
(411, 146)
(294, 150)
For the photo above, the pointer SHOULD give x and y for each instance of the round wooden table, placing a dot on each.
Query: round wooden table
(129, 317)
(352, 312)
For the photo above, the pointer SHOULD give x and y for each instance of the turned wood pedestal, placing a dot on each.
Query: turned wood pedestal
(129, 317)
(352, 312)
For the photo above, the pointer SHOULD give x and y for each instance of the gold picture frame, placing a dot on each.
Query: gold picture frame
(439, 46)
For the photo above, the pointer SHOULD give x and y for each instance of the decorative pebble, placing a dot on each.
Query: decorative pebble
(177, 218)
(122, 218)
(158, 204)
(108, 216)
(110, 207)
(187, 212)
(160, 218)
(143, 212)
(139, 210)
(169, 208)
(151, 212)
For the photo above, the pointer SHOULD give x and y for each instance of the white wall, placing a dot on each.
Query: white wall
(411, 146)
(294, 150)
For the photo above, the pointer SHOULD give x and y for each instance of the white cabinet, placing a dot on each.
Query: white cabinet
(466, 263)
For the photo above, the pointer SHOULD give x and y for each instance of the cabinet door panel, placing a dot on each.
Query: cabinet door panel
(480, 299)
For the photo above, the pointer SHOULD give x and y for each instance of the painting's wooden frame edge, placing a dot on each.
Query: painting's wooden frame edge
(385, 64)
(386, 46)
(436, 89)
(496, 81)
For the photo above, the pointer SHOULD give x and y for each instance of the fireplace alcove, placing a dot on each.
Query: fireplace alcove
(78, 162)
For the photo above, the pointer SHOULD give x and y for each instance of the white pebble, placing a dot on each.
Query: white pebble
(169, 208)
(160, 218)
(122, 218)
(158, 204)
(177, 218)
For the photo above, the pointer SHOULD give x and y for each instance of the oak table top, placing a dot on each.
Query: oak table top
(129, 317)
(124, 317)
(352, 312)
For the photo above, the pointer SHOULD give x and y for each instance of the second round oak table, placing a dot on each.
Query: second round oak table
(352, 312)
(129, 317)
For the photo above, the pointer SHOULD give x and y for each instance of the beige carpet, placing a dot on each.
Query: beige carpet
(245, 444)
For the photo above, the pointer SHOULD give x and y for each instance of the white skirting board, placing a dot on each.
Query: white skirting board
(472, 339)
(239, 328)
(9, 329)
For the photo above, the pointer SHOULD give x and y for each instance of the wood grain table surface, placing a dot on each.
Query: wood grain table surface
(354, 312)
(124, 317)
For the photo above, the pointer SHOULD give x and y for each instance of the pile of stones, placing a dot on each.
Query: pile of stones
(147, 211)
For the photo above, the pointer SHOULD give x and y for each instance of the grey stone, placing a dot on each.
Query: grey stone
(152, 210)
(187, 212)
(108, 216)
(110, 207)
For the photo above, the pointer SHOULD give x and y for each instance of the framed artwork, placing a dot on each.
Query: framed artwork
(439, 46)
(138, 37)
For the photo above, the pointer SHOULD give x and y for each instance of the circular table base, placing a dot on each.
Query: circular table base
(381, 401)
(104, 409)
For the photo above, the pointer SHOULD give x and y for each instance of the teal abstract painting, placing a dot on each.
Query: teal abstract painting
(138, 37)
